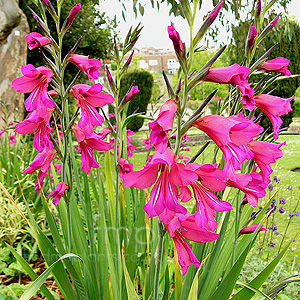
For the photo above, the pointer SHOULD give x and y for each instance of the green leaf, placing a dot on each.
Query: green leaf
(31, 273)
(258, 281)
(178, 278)
(252, 288)
(141, 9)
(35, 286)
(194, 287)
(224, 290)
(131, 293)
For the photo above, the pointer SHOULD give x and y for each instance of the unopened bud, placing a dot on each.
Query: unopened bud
(134, 90)
(175, 37)
(73, 13)
(212, 16)
(258, 8)
(46, 2)
(252, 36)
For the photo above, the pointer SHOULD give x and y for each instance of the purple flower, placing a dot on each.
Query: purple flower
(282, 201)
(297, 214)
(282, 210)
(291, 214)
(274, 227)
(277, 233)
(270, 187)
(272, 244)
(290, 188)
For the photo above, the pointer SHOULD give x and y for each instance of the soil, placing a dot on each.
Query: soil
(25, 279)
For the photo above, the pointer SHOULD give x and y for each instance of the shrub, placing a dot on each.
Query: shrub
(144, 80)
(297, 108)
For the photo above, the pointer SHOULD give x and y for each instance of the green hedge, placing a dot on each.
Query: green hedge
(144, 80)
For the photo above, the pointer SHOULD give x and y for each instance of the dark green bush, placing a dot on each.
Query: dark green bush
(144, 80)
(297, 108)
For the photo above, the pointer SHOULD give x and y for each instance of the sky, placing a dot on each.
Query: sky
(155, 23)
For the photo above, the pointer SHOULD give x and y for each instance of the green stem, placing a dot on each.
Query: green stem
(237, 226)
(161, 233)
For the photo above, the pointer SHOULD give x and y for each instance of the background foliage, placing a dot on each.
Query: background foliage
(144, 80)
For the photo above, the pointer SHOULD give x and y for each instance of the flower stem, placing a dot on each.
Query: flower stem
(161, 233)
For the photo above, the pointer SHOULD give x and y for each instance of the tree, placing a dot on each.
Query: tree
(287, 34)
(97, 28)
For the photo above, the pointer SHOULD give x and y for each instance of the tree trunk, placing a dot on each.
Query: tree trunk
(13, 52)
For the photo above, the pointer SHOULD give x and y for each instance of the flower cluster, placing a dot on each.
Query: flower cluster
(42, 107)
(174, 182)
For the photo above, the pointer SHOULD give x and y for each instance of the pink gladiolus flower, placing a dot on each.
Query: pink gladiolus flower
(214, 179)
(125, 166)
(111, 115)
(90, 97)
(252, 228)
(164, 194)
(130, 147)
(207, 204)
(58, 167)
(104, 133)
(175, 37)
(1, 132)
(134, 90)
(234, 74)
(184, 226)
(87, 142)
(252, 185)
(265, 154)
(42, 161)
(52, 93)
(38, 123)
(231, 134)
(212, 16)
(35, 39)
(89, 66)
(34, 81)
(162, 125)
(252, 36)
(59, 191)
(274, 107)
(148, 145)
(186, 256)
(73, 13)
(12, 139)
(278, 64)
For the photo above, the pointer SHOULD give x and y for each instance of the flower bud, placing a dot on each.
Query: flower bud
(175, 37)
(46, 2)
(258, 8)
(252, 228)
(134, 90)
(73, 13)
(273, 23)
(252, 36)
(212, 16)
